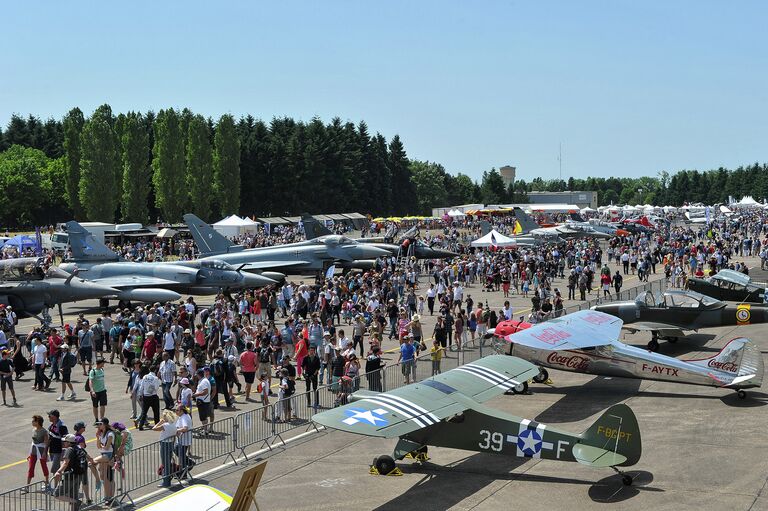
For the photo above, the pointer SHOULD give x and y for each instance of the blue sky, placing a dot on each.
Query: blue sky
(629, 88)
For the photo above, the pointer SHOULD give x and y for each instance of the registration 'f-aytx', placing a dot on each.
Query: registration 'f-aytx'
(586, 342)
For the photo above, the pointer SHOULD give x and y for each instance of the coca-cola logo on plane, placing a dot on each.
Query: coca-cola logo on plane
(723, 366)
(575, 362)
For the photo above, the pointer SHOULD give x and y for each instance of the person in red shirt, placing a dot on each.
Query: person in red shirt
(248, 368)
(54, 342)
(150, 347)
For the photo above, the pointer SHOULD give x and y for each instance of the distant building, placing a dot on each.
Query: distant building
(507, 175)
(581, 199)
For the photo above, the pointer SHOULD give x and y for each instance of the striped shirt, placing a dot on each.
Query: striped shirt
(167, 371)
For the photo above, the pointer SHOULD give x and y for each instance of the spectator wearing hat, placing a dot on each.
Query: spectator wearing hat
(67, 362)
(203, 398)
(185, 393)
(69, 475)
(6, 375)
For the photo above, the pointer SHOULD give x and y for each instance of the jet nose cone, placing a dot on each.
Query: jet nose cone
(363, 252)
(435, 253)
(251, 280)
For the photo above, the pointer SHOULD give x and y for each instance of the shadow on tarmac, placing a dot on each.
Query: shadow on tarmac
(611, 490)
(582, 401)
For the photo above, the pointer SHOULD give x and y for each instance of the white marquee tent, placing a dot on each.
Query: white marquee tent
(235, 226)
(494, 238)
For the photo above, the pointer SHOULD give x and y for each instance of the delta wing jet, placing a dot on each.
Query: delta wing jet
(307, 256)
(586, 342)
(669, 315)
(447, 411)
(152, 282)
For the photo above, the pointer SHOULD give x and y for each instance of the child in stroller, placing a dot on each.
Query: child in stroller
(345, 389)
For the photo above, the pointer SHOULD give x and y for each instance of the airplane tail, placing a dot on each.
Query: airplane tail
(613, 440)
(644, 221)
(86, 248)
(527, 223)
(312, 228)
(485, 227)
(741, 358)
(576, 217)
(208, 240)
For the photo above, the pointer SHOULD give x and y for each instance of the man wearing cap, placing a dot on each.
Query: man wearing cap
(6, 375)
(68, 361)
(203, 397)
(56, 431)
(69, 475)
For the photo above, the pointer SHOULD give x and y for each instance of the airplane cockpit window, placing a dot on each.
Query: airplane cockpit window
(646, 299)
(343, 240)
(22, 269)
(681, 301)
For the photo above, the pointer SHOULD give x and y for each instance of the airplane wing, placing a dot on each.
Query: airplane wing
(581, 329)
(422, 404)
(647, 326)
(132, 281)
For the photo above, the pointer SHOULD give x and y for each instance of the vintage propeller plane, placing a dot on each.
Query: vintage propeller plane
(667, 316)
(447, 411)
(586, 342)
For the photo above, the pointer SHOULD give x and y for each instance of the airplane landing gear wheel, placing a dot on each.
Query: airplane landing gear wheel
(653, 345)
(542, 376)
(384, 464)
(741, 394)
(521, 388)
(626, 479)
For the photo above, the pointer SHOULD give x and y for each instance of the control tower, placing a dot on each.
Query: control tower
(507, 175)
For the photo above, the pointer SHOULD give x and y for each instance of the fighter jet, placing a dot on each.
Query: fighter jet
(568, 230)
(407, 245)
(31, 289)
(669, 315)
(729, 285)
(152, 282)
(587, 342)
(309, 256)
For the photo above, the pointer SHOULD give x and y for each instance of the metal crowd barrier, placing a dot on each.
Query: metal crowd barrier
(235, 434)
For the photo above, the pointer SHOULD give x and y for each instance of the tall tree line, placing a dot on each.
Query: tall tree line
(141, 167)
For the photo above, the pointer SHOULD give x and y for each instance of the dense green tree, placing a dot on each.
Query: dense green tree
(226, 166)
(405, 199)
(168, 166)
(429, 183)
(21, 175)
(199, 167)
(137, 175)
(99, 168)
(492, 189)
(73, 127)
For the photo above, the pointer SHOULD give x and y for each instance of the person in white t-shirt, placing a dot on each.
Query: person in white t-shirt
(183, 437)
(203, 397)
(39, 356)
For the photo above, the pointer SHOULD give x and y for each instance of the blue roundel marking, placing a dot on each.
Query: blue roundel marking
(529, 442)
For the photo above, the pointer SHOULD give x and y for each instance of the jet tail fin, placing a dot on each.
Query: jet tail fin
(485, 227)
(576, 217)
(208, 240)
(741, 358)
(312, 228)
(526, 222)
(87, 248)
(613, 440)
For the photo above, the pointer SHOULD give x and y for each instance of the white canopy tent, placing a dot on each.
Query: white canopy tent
(235, 226)
(455, 213)
(494, 238)
(747, 202)
(587, 210)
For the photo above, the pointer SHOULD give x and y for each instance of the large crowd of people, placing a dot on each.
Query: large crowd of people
(257, 346)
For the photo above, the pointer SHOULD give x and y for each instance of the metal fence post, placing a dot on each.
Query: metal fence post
(383, 380)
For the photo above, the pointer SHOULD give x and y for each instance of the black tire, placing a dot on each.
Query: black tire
(653, 345)
(384, 464)
(741, 394)
(521, 388)
(542, 376)
(626, 479)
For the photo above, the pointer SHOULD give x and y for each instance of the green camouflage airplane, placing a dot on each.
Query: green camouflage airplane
(447, 411)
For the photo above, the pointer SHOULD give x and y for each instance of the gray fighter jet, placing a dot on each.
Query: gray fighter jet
(152, 282)
(309, 256)
(31, 289)
(407, 245)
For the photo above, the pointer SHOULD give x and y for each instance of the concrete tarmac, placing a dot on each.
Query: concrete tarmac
(703, 447)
